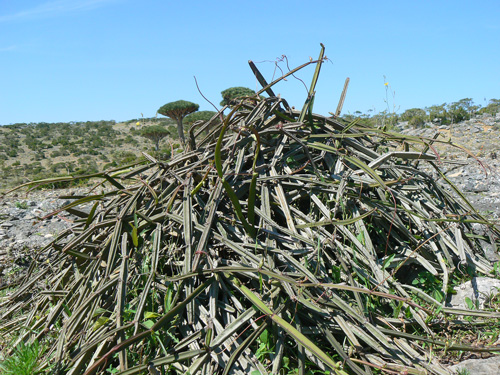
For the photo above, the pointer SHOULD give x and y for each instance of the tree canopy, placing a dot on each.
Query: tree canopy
(178, 110)
(492, 108)
(437, 113)
(415, 116)
(155, 133)
(199, 116)
(231, 94)
(456, 112)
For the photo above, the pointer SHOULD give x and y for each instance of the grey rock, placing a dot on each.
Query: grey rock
(479, 290)
(480, 229)
(490, 251)
(488, 366)
(475, 187)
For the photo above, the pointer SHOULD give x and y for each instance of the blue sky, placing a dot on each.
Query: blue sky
(79, 60)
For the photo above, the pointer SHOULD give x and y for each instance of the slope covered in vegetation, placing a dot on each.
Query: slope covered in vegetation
(281, 242)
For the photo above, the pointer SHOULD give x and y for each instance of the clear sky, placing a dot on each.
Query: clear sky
(79, 60)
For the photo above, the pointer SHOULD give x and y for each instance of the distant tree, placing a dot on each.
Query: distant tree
(412, 112)
(230, 95)
(177, 111)
(437, 113)
(456, 112)
(173, 132)
(123, 158)
(155, 133)
(468, 106)
(414, 116)
(199, 116)
(492, 108)
(348, 117)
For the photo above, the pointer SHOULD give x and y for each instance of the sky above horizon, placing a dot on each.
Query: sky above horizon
(89, 60)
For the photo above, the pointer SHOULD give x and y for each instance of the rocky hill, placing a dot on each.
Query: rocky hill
(473, 167)
(473, 164)
(29, 221)
(36, 151)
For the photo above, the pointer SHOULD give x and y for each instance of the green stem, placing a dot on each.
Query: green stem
(229, 190)
(253, 183)
(310, 96)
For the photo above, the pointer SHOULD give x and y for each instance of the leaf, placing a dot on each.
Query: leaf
(336, 222)
(102, 320)
(151, 315)
(469, 303)
(135, 238)
(388, 261)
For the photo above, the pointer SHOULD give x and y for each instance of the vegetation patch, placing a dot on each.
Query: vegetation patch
(279, 242)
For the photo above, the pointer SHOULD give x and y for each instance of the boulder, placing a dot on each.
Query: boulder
(479, 290)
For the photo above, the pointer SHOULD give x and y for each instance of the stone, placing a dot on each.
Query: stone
(474, 186)
(488, 366)
(479, 290)
(490, 251)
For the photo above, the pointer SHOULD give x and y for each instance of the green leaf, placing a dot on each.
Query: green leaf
(100, 322)
(264, 337)
(91, 215)
(388, 261)
(291, 330)
(168, 297)
(135, 238)
(151, 315)
(336, 222)
(469, 303)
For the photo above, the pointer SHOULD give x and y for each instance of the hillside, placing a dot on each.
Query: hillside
(43, 150)
(219, 234)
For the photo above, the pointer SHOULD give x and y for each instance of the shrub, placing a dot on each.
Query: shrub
(25, 360)
(223, 250)
(416, 121)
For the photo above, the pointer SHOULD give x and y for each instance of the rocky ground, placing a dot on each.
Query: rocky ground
(473, 164)
(22, 231)
(29, 222)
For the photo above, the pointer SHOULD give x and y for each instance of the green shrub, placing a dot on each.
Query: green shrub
(492, 108)
(416, 121)
(24, 361)
(123, 158)
(22, 205)
(12, 153)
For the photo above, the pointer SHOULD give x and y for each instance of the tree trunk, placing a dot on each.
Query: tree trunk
(180, 130)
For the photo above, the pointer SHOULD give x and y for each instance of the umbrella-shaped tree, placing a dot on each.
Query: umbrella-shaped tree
(155, 133)
(178, 110)
(228, 95)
